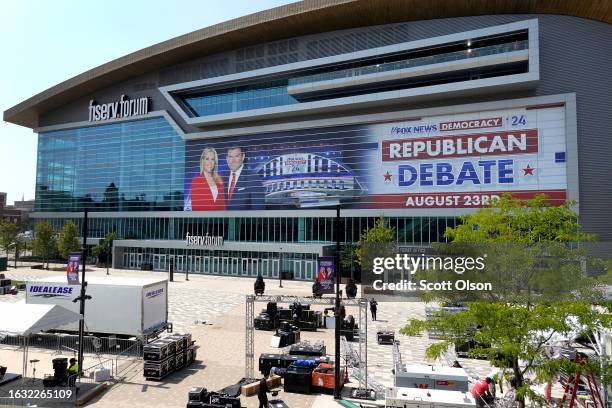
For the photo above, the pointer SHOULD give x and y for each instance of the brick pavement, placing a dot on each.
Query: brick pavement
(213, 309)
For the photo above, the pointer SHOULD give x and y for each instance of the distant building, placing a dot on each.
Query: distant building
(14, 213)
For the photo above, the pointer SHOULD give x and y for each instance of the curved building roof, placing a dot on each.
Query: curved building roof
(292, 20)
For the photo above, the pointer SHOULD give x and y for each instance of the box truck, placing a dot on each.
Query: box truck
(120, 306)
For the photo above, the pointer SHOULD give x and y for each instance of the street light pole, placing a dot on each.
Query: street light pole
(189, 260)
(108, 250)
(83, 295)
(280, 269)
(338, 385)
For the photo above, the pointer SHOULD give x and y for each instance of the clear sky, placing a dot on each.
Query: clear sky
(45, 42)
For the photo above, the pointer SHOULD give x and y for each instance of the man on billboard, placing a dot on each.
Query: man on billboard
(244, 189)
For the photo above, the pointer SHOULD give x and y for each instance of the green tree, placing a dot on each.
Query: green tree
(104, 247)
(8, 236)
(45, 243)
(68, 239)
(348, 258)
(531, 257)
(379, 235)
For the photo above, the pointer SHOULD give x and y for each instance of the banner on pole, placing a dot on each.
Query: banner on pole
(72, 269)
(326, 273)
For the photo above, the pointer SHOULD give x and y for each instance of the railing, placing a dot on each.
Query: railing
(411, 63)
(134, 351)
(62, 343)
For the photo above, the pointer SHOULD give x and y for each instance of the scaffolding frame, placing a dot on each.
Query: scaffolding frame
(362, 304)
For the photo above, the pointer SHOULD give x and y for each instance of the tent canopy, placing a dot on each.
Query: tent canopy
(24, 319)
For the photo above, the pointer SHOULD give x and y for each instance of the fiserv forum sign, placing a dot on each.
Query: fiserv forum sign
(122, 108)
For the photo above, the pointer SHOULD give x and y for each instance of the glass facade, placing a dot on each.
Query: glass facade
(272, 229)
(275, 93)
(128, 166)
(241, 98)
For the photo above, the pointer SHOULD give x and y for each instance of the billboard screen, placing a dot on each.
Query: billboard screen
(448, 161)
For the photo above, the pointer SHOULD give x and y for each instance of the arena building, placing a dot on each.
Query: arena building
(227, 150)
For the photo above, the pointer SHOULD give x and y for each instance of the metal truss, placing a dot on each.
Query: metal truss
(363, 344)
(249, 368)
(360, 358)
(307, 300)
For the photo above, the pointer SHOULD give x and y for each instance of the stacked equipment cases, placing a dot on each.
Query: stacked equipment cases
(298, 377)
(271, 317)
(324, 378)
(267, 361)
(167, 355)
(5, 285)
(385, 336)
(200, 397)
(348, 328)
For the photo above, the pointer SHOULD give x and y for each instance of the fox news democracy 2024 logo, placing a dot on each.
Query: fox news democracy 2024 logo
(471, 159)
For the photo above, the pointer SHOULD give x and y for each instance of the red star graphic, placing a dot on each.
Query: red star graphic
(528, 171)
(387, 176)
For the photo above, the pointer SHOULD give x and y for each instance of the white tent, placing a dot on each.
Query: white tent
(20, 319)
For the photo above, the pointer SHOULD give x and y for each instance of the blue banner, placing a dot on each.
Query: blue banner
(72, 269)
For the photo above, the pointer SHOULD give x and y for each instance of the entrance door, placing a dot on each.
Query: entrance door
(265, 268)
(207, 264)
(311, 266)
(156, 262)
(163, 266)
(224, 265)
(275, 268)
(235, 262)
(132, 260)
(180, 263)
(254, 267)
(298, 270)
(197, 264)
(216, 262)
(245, 266)
(139, 261)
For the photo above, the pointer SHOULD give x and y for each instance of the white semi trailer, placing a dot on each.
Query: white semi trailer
(120, 306)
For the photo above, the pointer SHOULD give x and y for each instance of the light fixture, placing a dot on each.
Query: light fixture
(469, 43)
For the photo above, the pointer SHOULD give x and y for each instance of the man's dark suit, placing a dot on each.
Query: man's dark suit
(248, 193)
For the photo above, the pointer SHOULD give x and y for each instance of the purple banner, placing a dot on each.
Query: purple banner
(326, 273)
(72, 269)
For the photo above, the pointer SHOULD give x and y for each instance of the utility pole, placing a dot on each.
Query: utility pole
(338, 384)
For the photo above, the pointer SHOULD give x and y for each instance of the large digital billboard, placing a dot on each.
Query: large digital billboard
(450, 161)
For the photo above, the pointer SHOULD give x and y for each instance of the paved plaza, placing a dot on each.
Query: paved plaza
(212, 308)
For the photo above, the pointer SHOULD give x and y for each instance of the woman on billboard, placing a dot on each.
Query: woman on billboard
(207, 192)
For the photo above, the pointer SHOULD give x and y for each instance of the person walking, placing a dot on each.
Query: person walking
(262, 394)
(373, 308)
